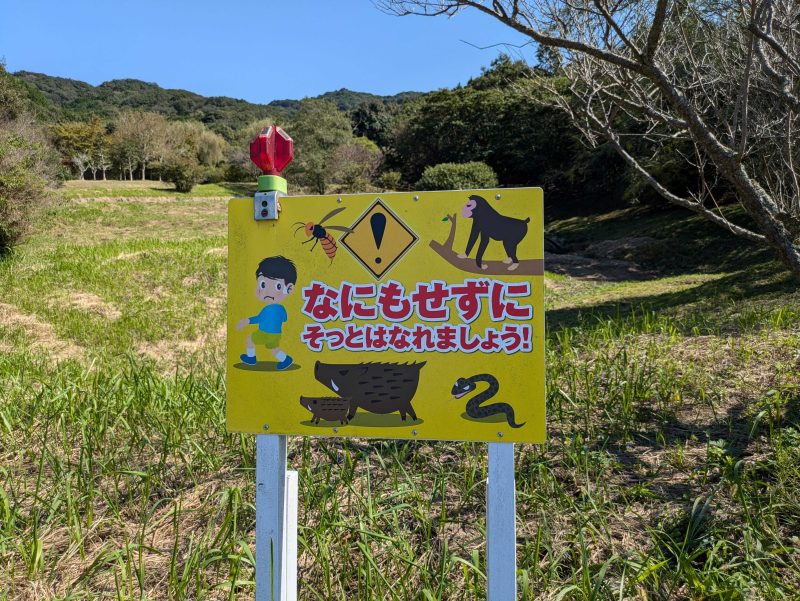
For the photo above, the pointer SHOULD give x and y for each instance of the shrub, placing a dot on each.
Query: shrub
(183, 172)
(213, 175)
(390, 180)
(239, 169)
(457, 176)
(25, 164)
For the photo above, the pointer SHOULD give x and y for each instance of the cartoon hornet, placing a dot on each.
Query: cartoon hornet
(275, 280)
(318, 233)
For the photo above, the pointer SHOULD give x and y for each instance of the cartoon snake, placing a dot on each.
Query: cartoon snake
(466, 385)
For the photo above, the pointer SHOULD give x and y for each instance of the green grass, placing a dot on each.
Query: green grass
(84, 189)
(672, 470)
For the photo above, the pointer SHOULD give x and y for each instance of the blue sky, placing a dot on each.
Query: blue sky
(259, 51)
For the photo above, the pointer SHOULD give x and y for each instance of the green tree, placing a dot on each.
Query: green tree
(375, 120)
(190, 151)
(503, 118)
(85, 145)
(191, 137)
(501, 73)
(138, 140)
(318, 129)
(73, 140)
(124, 152)
(99, 149)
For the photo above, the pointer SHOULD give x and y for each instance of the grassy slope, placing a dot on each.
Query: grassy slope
(95, 189)
(671, 472)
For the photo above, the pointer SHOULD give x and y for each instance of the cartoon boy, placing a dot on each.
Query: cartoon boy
(275, 280)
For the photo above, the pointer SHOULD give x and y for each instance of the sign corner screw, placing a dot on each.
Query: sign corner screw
(500, 435)
(497, 197)
(416, 196)
(266, 426)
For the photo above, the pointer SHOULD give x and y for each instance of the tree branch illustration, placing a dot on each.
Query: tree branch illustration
(446, 251)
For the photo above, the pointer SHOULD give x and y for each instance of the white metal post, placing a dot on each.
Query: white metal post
(270, 516)
(501, 526)
(289, 587)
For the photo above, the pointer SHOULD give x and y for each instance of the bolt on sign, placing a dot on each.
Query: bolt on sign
(416, 315)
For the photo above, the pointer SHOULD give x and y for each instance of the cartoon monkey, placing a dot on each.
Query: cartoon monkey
(488, 223)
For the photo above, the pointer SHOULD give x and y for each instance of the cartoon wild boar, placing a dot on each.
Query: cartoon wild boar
(374, 387)
(329, 408)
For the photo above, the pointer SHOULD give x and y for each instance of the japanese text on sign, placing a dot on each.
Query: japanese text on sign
(429, 302)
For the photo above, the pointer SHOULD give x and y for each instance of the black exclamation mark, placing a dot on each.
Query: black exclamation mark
(378, 223)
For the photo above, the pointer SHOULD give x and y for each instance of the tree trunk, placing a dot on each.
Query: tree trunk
(143, 168)
(760, 206)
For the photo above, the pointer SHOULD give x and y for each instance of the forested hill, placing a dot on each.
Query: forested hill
(77, 100)
(347, 100)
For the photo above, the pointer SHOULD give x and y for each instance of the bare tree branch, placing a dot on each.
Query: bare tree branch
(654, 37)
(717, 83)
(692, 205)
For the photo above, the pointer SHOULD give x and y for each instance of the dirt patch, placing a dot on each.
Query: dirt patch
(145, 199)
(91, 303)
(133, 256)
(592, 268)
(551, 285)
(41, 335)
(638, 248)
(157, 294)
(172, 353)
(214, 304)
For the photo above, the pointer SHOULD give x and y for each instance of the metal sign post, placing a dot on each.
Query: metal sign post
(276, 522)
(501, 526)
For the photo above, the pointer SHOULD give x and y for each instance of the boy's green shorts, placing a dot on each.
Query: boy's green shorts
(266, 339)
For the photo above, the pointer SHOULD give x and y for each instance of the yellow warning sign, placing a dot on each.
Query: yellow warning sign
(429, 324)
(378, 239)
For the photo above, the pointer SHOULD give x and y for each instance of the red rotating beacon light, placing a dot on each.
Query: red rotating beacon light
(272, 150)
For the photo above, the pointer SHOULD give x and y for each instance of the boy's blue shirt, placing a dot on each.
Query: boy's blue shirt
(270, 319)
